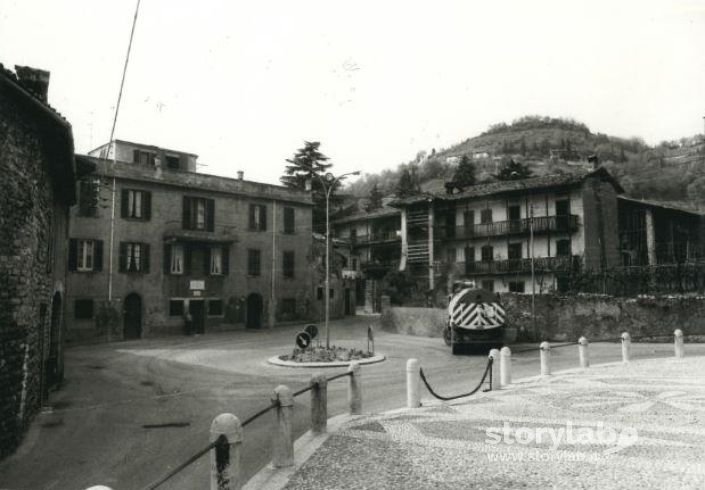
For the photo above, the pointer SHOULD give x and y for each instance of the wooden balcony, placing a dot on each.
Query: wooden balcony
(515, 266)
(540, 224)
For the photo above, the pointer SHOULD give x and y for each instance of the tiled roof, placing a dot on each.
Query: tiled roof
(196, 181)
(682, 207)
(364, 215)
(512, 186)
(13, 78)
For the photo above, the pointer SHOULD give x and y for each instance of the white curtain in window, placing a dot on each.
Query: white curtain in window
(200, 214)
(133, 256)
(216, 260)
(85, 255)
(134, 203)
(177, 259)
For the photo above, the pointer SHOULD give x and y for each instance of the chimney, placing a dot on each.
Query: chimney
(34, 80)
(240, 175)
(594, 160)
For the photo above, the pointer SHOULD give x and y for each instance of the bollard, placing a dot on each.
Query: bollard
(626, 346)
(282, 440)
(319, 403)
(505, 366)
(354, 389)
(225, 457)
(583, 352)
(494, 370)
(413, 398)
(545, 349)
(678, 343)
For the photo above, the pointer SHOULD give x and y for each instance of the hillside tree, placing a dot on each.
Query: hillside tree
(512, 170)
(408, 184)
(465, 173)
(374, 200)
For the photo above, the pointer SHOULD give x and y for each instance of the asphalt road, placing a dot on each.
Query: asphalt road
(129, 412)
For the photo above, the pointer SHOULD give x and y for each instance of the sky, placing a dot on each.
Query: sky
(244, 84)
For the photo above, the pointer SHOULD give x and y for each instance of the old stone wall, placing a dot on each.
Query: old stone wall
(26, 275)
(601, 317)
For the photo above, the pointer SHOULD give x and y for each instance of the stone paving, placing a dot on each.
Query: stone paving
(632, 425)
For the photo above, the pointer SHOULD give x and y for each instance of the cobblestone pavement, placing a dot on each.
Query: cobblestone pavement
(636, 425)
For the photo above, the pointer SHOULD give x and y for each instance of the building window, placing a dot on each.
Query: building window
(289, 307)
(486, 216)
(254, 265)
(85, 255)
(177, 259)
(88, 197)
(172, 162)
(134, 257)
(488, 285)
(563, 248)
(487, 253)
(516, 286)
(198, 213)
(289, 220)
(258, 217)
(216, 262)
(136, 204)
(288, 265)
(215, 307)
(83, 309)
(331, 293)
(319, 293)
(176, 307)
(514, 251)
(143, 157)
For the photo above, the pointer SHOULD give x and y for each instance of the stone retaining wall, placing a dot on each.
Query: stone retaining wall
(567, 318)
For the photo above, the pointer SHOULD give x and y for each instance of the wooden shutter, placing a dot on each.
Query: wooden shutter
(263, 218)
(124, 211)
(187, 258)
(207, 261)
(145, 257)
(210, 215)
(167, 258)
(252, 216)
(289, 220)
(147, 205)
(136, 156)
(122, 267)
(98, 256)
(73, 254)
(226, 259)
(186, 213)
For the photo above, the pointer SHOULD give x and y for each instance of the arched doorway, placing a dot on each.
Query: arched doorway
(54, 367)
(254, 311)
(132, 317)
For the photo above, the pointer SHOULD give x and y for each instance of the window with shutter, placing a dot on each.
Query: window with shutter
(289, 220)
(253, 262)
(216, 261)
(258, 217)
(487, 253)
(289, 264)
(198, 214)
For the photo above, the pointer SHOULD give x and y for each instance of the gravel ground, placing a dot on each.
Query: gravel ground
(636, 425)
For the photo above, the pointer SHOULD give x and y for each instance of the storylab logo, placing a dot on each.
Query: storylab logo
(614, 440)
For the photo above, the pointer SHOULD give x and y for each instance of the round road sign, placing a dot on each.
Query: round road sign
(312, 330)
(303, 340)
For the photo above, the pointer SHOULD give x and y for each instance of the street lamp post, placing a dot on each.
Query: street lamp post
(328, 185)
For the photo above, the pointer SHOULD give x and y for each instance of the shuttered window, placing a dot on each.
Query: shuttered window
(198, 213)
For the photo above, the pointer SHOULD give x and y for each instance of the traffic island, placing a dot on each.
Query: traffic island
(325, 357)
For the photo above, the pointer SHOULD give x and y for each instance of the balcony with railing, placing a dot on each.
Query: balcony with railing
(376, 237)
(516, 266)
(540, 224)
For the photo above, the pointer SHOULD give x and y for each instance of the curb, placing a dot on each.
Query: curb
(271, 478)
(370, 360)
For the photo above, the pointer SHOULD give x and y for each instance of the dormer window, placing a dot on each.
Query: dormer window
(172, 162)
(143, 157)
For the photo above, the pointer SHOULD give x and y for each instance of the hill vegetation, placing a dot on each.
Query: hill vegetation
(672, 171)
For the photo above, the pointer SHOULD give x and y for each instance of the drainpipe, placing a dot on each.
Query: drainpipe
(272, 295)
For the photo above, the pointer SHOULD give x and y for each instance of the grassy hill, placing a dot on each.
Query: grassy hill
(672, 171)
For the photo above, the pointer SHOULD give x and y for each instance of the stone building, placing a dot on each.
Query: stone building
(152, 239)
(36, 189)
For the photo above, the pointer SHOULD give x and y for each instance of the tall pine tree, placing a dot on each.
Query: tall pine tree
(309, 164)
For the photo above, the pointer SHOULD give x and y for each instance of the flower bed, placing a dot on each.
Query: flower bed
(321, 354)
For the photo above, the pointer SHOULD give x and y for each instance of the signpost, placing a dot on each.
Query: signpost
(370, 339)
